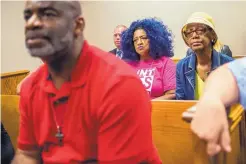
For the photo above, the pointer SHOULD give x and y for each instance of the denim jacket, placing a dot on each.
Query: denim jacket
(186, 71)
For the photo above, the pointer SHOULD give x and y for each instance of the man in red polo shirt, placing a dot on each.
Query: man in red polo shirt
(82, 105)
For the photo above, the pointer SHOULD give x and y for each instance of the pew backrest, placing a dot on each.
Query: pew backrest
(176, 144)
(10, 116)
(10, 80)
(172, 136)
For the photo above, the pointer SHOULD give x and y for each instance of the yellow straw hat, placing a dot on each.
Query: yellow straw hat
(200, 17)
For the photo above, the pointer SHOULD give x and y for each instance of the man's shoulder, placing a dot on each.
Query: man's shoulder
(33, 80)
(110, 64)
(225, 58)
(113, 51)
(109, 70)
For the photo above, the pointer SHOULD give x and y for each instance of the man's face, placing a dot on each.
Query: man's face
(198, 36)
(49, 28)
(117, 36)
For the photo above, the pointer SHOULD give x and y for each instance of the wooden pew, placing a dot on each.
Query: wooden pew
(10, 80)
(176, 60)
(10, 116)
(176, 143)
(174, 140)
(171, 134)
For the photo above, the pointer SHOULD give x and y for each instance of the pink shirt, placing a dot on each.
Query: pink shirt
(158, 76)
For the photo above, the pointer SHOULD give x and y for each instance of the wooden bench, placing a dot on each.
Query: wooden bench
(176, 60)
(176, 143)
(10, 80)
(172, 136)
(10, 116)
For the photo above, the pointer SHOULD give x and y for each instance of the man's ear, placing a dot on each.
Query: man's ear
(79, 26)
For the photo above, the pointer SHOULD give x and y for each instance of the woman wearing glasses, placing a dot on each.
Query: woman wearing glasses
(199, 34)
(218, 46)
(147, 47)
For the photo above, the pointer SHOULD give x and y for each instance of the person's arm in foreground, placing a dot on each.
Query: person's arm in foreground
(224, 87)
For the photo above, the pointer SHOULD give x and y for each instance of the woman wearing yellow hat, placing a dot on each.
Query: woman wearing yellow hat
(191, 72)
(218, 46)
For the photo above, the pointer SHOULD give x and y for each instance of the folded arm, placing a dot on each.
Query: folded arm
(168, 95)
(27, 157)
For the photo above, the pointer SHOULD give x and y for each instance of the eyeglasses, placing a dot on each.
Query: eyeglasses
(198, 30)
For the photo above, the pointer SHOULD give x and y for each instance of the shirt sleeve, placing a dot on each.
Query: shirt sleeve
(125, 133)
(238, 68)
(169, 76)
(26, 138)
(179, 92)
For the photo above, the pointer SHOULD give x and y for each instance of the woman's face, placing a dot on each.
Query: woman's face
(141, 43)
(198, 36)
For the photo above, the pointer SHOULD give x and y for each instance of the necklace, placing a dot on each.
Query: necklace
(59, 134)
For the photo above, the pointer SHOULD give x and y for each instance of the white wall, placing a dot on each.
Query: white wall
(102, 17)
(13, 53)
(229, 17)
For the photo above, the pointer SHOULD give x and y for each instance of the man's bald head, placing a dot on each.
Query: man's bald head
(74, 6)
(121, 26)
(57, 25)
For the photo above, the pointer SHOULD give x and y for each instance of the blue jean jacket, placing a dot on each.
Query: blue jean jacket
(186, 71)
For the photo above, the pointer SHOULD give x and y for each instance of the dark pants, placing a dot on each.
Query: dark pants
(7, 150)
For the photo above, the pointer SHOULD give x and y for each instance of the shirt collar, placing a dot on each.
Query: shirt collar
(215, 60)
(79, 73)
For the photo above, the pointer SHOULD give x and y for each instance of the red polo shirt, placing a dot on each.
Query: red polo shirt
(104, 112)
